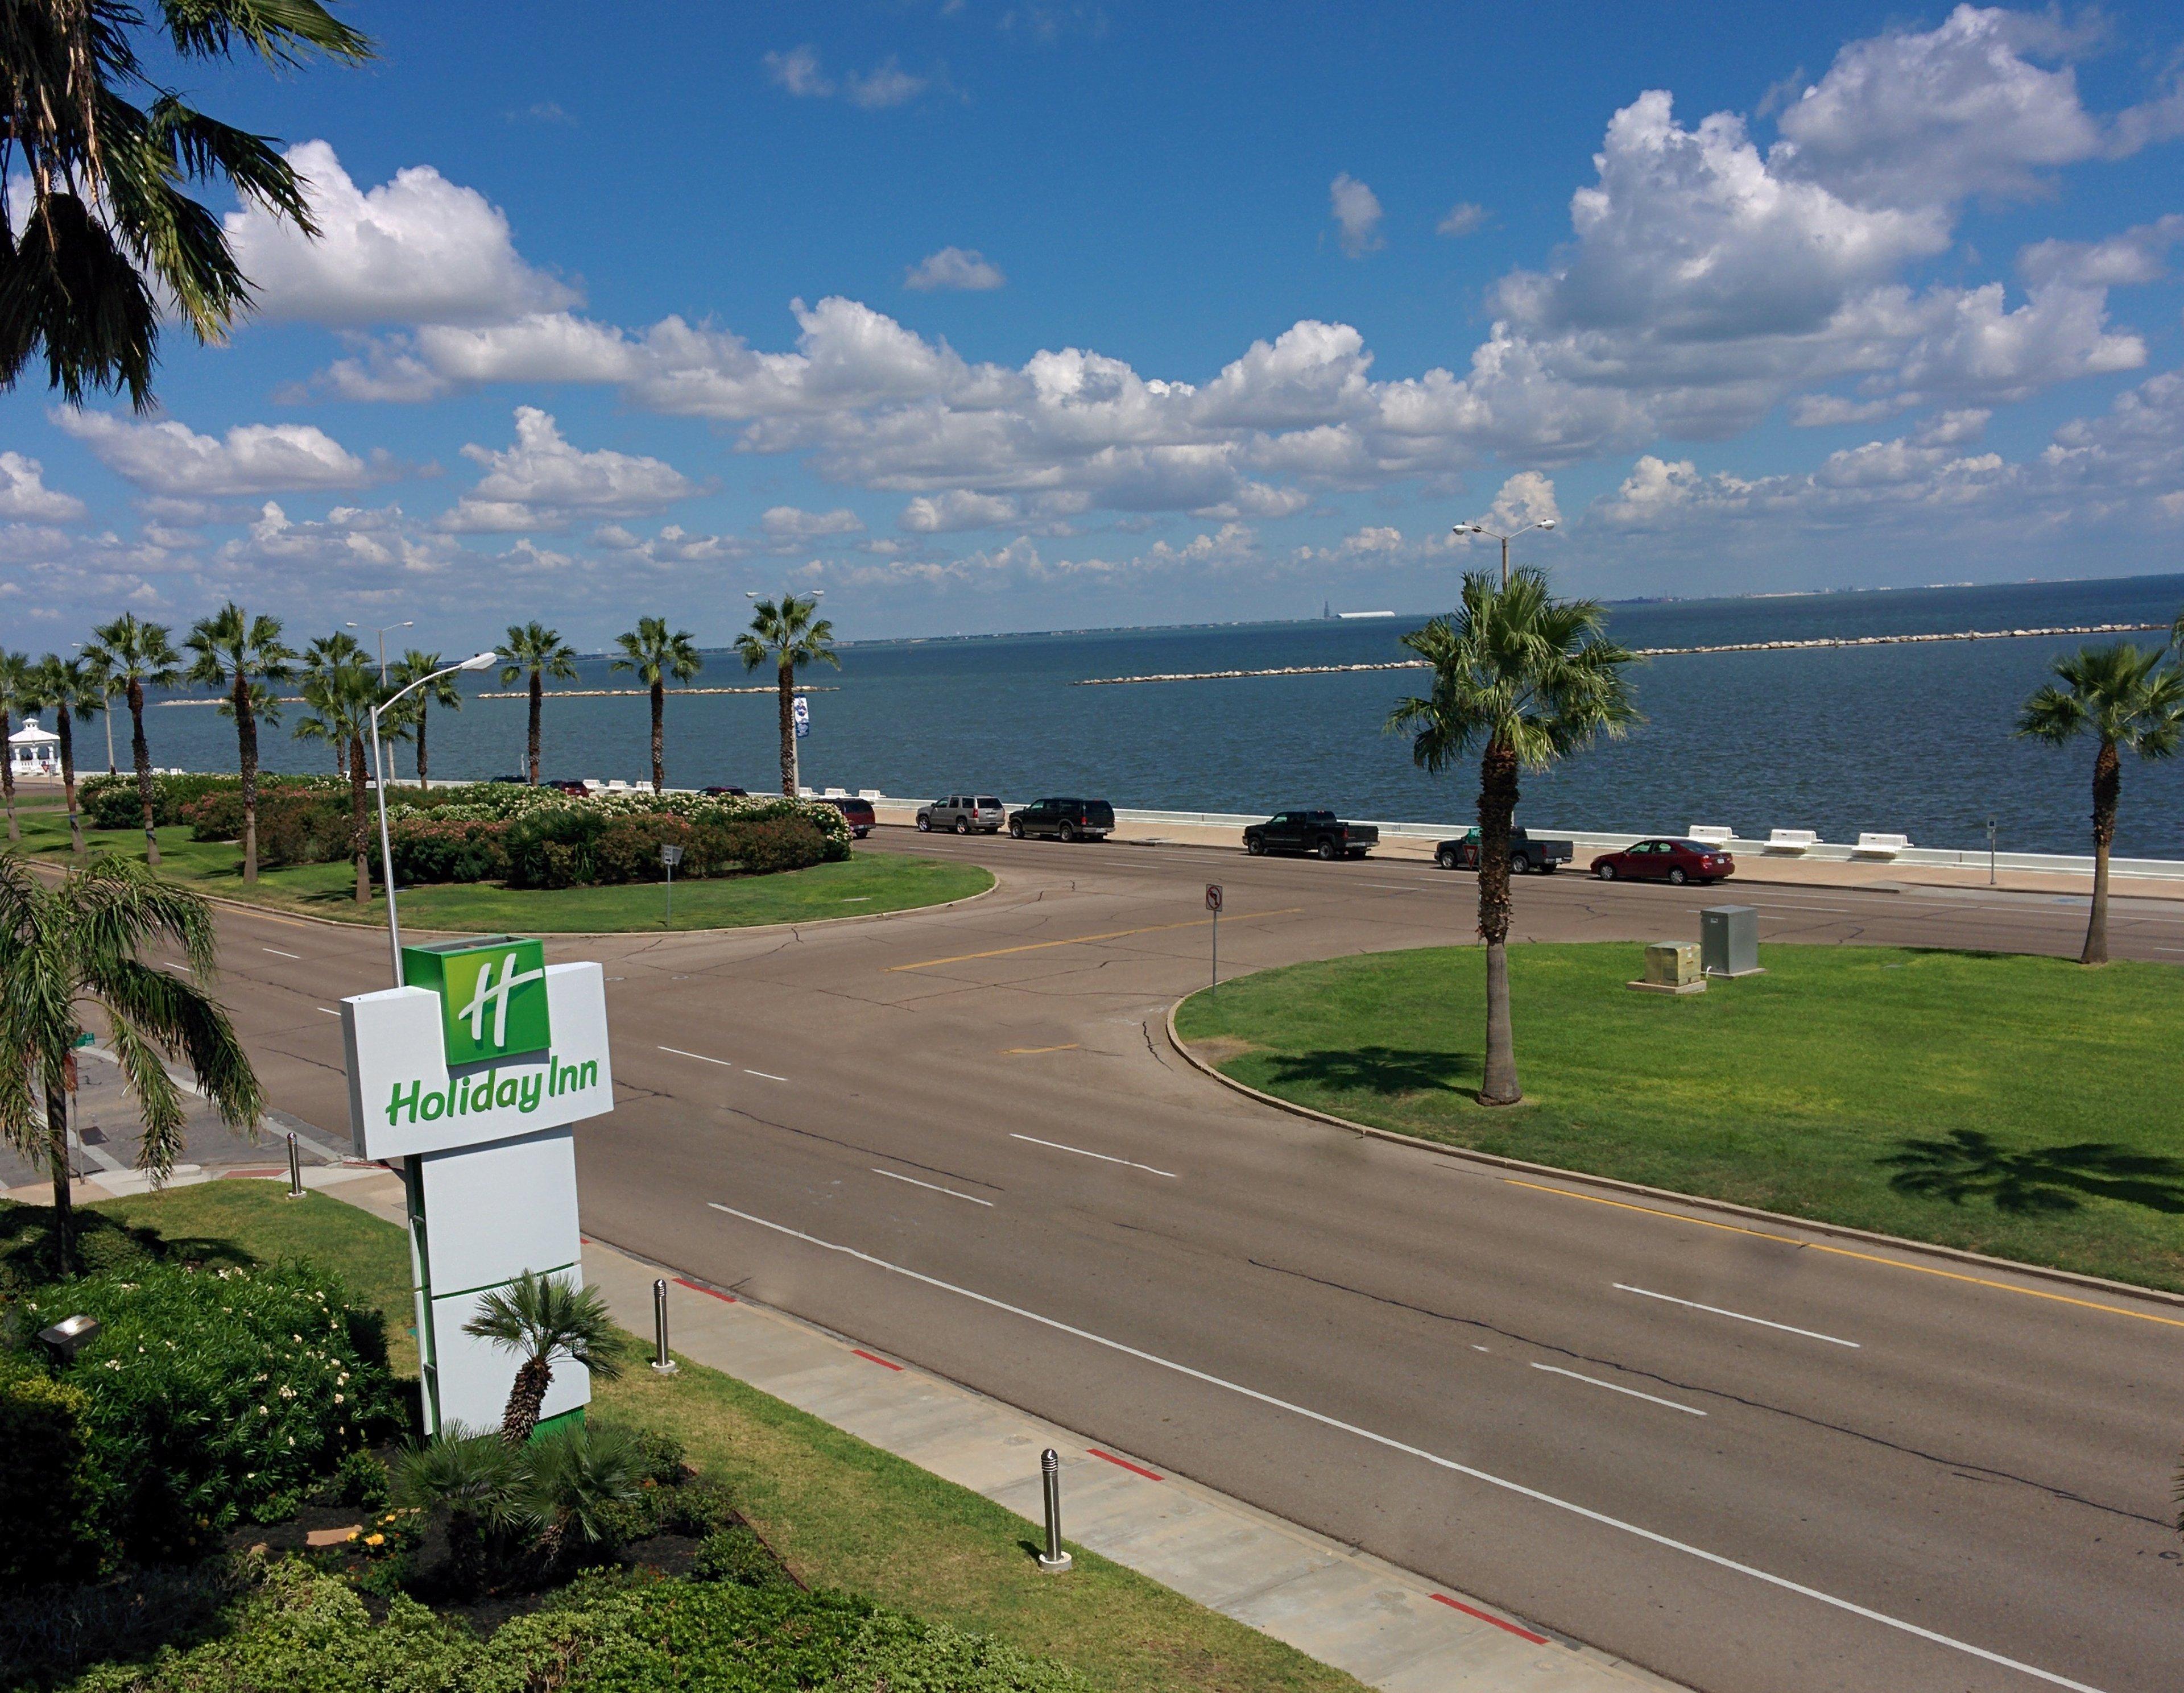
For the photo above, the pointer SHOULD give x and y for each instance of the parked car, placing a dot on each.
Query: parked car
(516, 781)
(718, 792)
(1528, 854)
(859, 814)
(1065, 819)
(965, 813)
(1665, 861)
(571, 784)
(1314, 831)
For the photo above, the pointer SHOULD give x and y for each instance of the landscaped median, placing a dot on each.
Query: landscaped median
(2017, 1106)
(795, 1557)
(490, 857)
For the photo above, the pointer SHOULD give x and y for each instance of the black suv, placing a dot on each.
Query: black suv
(1065, 819)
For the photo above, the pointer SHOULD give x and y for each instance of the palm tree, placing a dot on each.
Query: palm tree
(14, 696)
(542, 651)
(785, 631)
(2130, 700)
(105, 239)
(135, 654)
(414, 666)
(655, 654)
(84, 941)
(327, 654)
(69, 688)
(541, 1318)
(340, 696)
(1527, 679)
(243, 656)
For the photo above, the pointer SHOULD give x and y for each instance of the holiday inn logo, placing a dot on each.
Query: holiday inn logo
(492, 995)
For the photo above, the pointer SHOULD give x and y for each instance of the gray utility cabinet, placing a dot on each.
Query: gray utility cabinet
(1729, 940)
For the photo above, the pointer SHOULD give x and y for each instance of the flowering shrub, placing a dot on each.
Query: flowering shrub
(299, 821)
(213, 1396)
(429, 847)
(45, 1492)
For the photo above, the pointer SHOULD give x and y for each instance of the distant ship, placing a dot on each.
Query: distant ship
(1346, 615)
(1328, 614)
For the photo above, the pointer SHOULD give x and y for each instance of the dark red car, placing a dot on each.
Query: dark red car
(1665, 861)
(858, 813)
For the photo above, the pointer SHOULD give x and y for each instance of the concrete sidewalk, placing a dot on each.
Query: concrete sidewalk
(1384, 1625)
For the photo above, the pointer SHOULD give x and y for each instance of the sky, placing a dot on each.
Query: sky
(1015, 315)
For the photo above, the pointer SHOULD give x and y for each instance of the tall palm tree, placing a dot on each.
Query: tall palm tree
(534, 647)
(414, 666)
(84, 941)
(655, 654)
(244, 657)
(69, 688)
(2128, 698)
(786, 632)
(339, 698)
(14, 696)
(541, 1318)
(1527, 679)
(137, 655)
(330, 653)
(104, 238)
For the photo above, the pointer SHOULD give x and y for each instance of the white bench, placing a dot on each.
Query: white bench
(838, 794)
(1881, 846)
(1791, 840)
(872, 793)
(1708, 834)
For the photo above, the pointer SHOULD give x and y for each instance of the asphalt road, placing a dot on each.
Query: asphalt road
(1749, 1458)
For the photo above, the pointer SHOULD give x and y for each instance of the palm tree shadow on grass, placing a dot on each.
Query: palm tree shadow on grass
(2038, 1181)
(1387, 1071)
(30, 1256)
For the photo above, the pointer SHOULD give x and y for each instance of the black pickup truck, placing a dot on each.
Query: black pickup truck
(1527, 853)
(1314, 831)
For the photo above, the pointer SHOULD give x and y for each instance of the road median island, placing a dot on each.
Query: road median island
(2019, 1108)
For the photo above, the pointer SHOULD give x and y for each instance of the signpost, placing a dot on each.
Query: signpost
(1213, 897)
(472, 1075)
(670, 855)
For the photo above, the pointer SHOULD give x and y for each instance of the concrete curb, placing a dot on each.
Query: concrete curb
(1838, 1230)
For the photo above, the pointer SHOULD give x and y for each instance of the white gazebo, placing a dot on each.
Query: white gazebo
(34, 750)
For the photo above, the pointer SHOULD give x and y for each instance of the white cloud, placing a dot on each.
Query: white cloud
(1526, 498)
(170, 458)
(543, 483)
(886, 84)
(2137, 255)
(956, 509)
(673, 545)
(798, 71)
(954, 267)
(1356, 212)
(791, 523)
(24, 493)
(418, 249)
(1463, 217)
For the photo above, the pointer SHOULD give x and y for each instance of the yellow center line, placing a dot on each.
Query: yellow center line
(1028, 1051)
(1864, 1257)
(1081, 940)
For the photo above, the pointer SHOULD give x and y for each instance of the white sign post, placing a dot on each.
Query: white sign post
(471, 1076)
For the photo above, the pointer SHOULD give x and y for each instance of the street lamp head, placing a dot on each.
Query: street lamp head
(482, 662)
(1546, 523)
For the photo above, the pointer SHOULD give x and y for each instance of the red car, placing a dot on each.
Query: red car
(858, 813)
(1665, 861)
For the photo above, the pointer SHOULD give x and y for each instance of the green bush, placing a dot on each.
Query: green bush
(215, 1396)
(580, 846)
(429, 849)
(739, 1557)
(299, 821)
(360, 1480)
(897, 1654)
(111, 802)
(47, 1495)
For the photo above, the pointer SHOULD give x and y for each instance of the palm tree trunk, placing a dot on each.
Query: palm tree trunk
(1497, 810)
(2108, 787)
(358, 806)
(659, 736)
(537, 698)
(525, 1400)
(423, 785)
(788, 728)
(8, 779)
(140, 753)
(57, 1155)
(67, 728)
(246, 748)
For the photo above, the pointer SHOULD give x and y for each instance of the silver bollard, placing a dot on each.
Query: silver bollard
(660, 1362)
(1053, 1560)
(295, 1171)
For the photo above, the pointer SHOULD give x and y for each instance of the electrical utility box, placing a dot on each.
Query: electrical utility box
(1729, 940)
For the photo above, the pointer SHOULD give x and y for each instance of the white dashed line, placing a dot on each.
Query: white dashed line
(700, 1057)
(1809, 1334)
(1594, 1381)
(278, 953)
(915, 1183)
(1102, 1156)
(763, 1074)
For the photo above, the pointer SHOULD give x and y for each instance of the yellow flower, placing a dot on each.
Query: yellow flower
(375, 1540)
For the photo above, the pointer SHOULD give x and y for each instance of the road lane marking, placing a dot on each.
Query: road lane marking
(1809, 1334)
(278, 953)
(766, 1075)
(699, 1056)
(328, 1010)
(1846, 1252)
(931, 1188)
(1594, 1381)
(1102, 1156)
(1032, 1051)
(1472, 1611)
(1491, 1479)
(1081, 940)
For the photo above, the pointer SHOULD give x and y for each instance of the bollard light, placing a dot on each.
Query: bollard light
(1053, 1560)
(660, 1362)
(66, 1338)
(295, 1170)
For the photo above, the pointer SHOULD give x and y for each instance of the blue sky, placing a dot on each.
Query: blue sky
(1006, 316)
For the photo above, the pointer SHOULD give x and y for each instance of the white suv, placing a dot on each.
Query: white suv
(965, 813)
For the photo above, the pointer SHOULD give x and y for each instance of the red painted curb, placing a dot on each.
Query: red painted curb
(1472, 1611)
(711, 1293)
(881, 1363)
(1124, 1463)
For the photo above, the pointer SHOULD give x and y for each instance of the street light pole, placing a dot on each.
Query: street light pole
(407, 622)
(1545, 523)
(379, 786)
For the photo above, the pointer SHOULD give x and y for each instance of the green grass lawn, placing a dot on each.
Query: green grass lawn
(842, 1512)
(2026, 1107)
(865, 883)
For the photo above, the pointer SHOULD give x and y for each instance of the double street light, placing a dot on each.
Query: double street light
(1481, 529)
(381, 631)
(482, 662)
